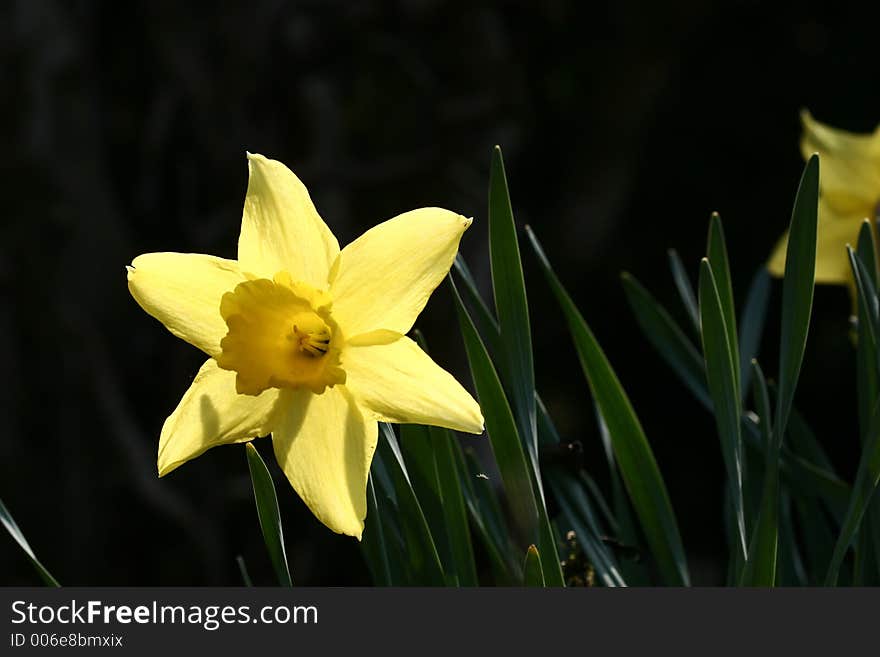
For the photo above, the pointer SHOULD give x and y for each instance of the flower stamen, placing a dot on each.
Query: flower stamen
(315, 344)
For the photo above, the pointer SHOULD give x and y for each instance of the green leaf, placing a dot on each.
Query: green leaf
(685, 289)
(867, 355)
(421, 551)
(868, 378)
(724, 388)
(268, 513)
(484, 320)
(454, 509)
(512, 309)
(243, 571)
(432, 448)
(638, 467)
(865, 484)
(808, 477)
(11, 526)
(635, 573)
(716, 253)
(577, 511)
(791, 570)
(751, 327)
(529, 516)
(373, 544)
(667, 338)
(797, 289)
(760, 567)
(485, 515)
(533, 574)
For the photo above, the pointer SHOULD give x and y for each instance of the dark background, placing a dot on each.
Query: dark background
(623, 125)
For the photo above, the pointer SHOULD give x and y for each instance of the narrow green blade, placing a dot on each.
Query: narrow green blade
(11, 526)
(685, 289)
(529, 514)
(797, 289)
(577, 511)
(724, 388)
(484, 320)
(268, 513)
(512, 309)
(865, 484)
(716, 253)
(751, 327)
(639, 470)
(431, 449)
(635, 573)
(421, 551)
(485, 516)
(760, 567)
(243, 571)
(807, 477)
(868, 378)
(667, 338)
(454, 509)
(867, 355)
(533, 574)
(373, 545)
(500, 426)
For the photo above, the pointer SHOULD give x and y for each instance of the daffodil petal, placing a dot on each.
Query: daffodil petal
(183, 291)
(398, 382)
(325, 446)
(211, 413)
(835, 231)
(385, 276)
(280, 228)
(850, 163)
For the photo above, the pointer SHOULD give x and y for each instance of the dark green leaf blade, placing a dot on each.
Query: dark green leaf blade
(374, 544)
(797, 289)
(760, 567)
(243, 571)
(863, 488)
(454, 510)
(529, 513)
(639, 470)
(751, 327)
(12, 527)
(668, 339)
(716, 253)
(511, 306)
(867, 356)
(533, 574)
(268, 513)
(685, 289)
(421, 550)
(724, 388)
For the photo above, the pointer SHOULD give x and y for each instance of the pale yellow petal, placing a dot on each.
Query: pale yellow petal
(835, 231)
(849, 165)
(183, 291)
(398, 382)
(211, 413)
(385, 276)
(280, 228)
(325, 446)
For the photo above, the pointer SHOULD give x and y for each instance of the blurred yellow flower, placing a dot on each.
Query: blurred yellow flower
(306, 342)
(849, 187)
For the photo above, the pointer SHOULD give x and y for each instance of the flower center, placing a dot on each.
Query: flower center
(281, 335)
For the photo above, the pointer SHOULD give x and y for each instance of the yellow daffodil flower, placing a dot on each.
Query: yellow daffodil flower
(849, 186)
(306, 342)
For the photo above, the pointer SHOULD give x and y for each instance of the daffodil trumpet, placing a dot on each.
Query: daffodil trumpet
(307, 342)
